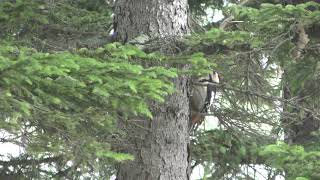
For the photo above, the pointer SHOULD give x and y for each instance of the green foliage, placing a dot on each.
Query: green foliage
(52, 25)
(82, 16)
(302, 77)
(117, 156)
(294, 160)
(69, 103)
(258, 41)
(273, 19)
(92, 5)
(19, 14)
(224, 38)
(200, 66)
(225, 149)
(63, 107)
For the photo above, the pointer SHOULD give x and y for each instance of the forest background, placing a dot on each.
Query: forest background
(71, 92)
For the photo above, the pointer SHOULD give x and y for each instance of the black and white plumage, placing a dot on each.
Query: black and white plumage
(201, 96)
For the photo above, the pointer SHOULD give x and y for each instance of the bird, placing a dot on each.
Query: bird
(214, 78)
(201, 97)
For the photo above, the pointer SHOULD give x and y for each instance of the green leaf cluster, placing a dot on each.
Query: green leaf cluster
(20, 14)
(225, 149)
(294, 160)
(254, 54)
(274, 19)
(68, 103)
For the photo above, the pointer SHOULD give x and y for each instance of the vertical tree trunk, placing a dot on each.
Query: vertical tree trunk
(156, 18)
(161, 146)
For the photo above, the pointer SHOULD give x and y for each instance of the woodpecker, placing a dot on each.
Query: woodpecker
(213, 78)
(201, 97)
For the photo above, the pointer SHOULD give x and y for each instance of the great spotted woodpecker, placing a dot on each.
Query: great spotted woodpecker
(201, 96)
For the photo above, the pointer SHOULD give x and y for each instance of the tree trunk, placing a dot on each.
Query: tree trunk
(156, 18)
(160, 145)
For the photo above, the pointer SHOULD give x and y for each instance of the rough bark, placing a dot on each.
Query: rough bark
(160, 145)
(156, 18)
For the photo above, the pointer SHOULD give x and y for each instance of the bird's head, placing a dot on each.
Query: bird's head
(214, 77)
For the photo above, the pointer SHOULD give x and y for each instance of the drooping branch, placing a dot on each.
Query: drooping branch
(26, 161)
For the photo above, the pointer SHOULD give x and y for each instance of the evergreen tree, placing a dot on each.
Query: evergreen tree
(93, 88)
(160, 145)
